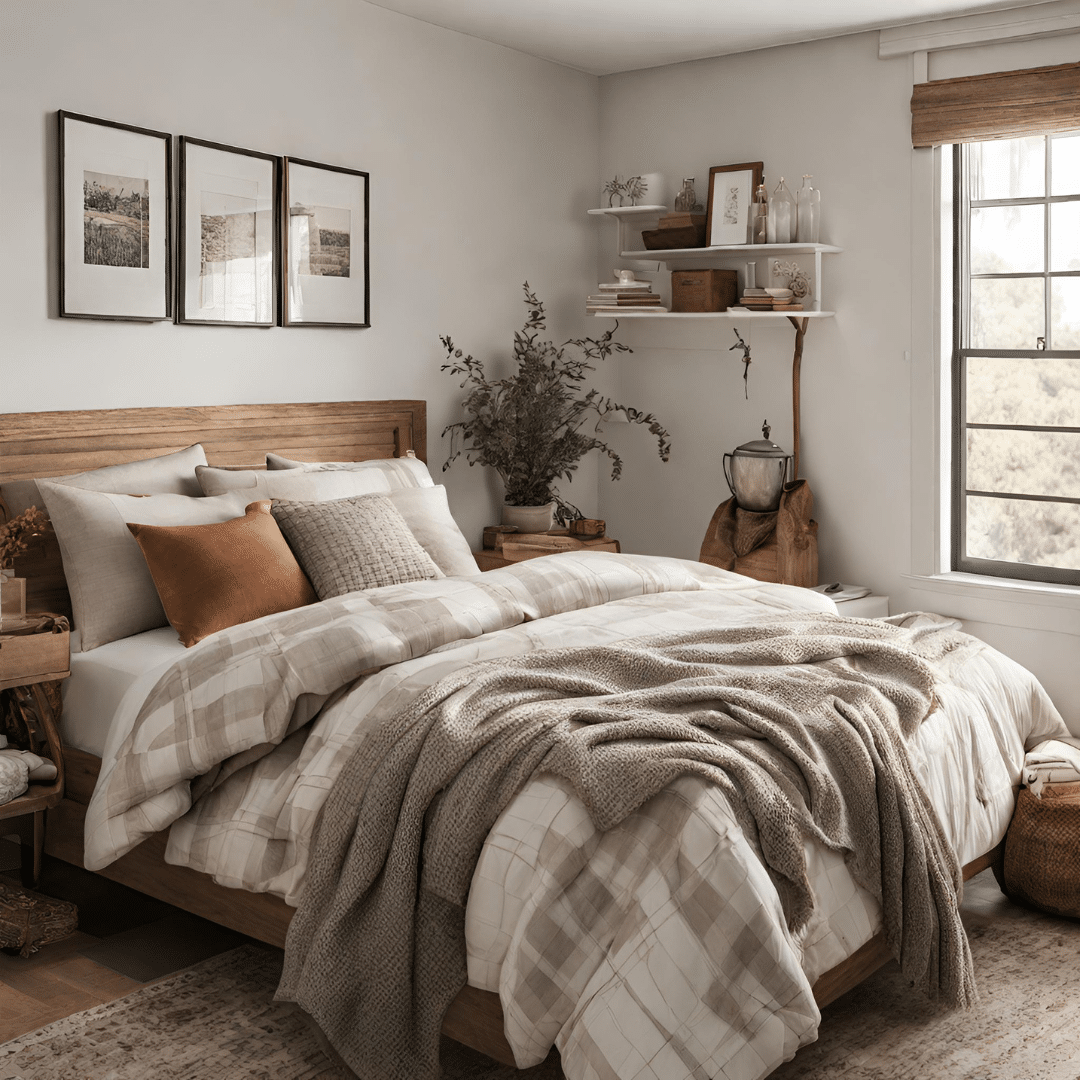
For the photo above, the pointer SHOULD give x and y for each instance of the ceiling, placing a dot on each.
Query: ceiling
(605, 36)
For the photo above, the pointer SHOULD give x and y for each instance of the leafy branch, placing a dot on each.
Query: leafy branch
(527, 426)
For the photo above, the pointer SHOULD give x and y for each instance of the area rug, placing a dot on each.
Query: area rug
(218, 1021)
(214, 1021)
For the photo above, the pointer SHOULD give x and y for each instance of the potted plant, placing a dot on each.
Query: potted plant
(528, 426)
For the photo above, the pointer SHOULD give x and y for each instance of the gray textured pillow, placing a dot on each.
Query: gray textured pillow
(351, 544)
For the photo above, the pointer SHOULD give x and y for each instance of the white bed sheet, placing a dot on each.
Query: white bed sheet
(102, 677)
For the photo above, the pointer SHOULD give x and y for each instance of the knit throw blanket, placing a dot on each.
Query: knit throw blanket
(801, 722)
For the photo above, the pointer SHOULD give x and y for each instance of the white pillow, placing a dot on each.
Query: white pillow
(296, 485)
(170, 474)
(428, 516)
(112, 593)
(402, 472)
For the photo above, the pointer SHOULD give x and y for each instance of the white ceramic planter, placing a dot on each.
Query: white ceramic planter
(529, 519)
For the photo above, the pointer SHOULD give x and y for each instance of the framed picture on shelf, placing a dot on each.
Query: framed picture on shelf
(228, 235)
(115, 220)
(325, 233)
(731, 191)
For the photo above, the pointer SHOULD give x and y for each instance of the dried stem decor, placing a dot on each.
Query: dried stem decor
(527, 427)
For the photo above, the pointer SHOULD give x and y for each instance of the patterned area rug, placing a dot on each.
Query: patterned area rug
(218, 1021)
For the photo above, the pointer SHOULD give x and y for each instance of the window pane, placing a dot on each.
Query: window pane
(1065, 314)
(1007, 239)
(1065, 166)
(1008, 168)
(1011, 530)
(1065, 236)
(1006, 313)
(1023, 391)
(1024, 462)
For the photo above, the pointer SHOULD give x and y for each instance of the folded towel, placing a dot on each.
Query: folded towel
(1056, 761)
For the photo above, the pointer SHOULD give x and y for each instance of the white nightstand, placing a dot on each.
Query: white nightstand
(865, 607)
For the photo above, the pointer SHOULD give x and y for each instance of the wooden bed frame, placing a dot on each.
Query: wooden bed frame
(57, 443)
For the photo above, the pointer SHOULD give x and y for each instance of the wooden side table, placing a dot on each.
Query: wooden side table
(31, 668)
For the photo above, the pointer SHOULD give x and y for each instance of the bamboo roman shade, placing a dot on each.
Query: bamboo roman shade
(1003, 105)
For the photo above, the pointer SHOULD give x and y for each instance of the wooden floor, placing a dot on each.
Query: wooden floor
(126, 940)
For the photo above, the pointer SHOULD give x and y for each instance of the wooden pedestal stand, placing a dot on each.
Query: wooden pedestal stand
(780, 547)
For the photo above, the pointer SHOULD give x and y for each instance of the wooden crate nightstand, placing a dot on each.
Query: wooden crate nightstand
(33, 661)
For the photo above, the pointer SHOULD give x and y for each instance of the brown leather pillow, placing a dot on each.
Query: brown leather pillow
(213, 576)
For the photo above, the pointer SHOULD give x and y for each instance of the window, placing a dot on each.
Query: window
(1016, 358)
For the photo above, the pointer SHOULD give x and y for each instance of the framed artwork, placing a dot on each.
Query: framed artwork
(228, 235)
(325, 233)
(115, 220)
(731, 191)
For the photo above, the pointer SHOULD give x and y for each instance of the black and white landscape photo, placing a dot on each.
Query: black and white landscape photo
(116, 220)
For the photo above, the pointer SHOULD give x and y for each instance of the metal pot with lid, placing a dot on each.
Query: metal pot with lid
(756, 472)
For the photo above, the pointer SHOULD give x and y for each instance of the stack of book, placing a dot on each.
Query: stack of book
(621, 296)
(769, 300)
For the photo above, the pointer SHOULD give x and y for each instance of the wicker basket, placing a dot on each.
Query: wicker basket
(1042, 850)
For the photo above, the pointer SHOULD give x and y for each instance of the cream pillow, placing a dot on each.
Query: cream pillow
(402, 472)
(297, 484)
(428, 516)
(170, 474)
(112, 593)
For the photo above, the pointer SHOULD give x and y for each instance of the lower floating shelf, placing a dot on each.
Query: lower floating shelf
(729, 314)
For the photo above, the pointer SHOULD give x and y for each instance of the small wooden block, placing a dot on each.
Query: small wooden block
(587, 527)
(495, 534)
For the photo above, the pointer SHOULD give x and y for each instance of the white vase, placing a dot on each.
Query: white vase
(529, 519)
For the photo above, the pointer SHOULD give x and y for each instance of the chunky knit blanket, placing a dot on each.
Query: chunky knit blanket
(801, 722)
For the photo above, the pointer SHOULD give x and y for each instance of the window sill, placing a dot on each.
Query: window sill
(1031, 605)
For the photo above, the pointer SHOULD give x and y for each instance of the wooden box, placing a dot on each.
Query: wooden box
(704, 290)
(24, 658)
(13, 596)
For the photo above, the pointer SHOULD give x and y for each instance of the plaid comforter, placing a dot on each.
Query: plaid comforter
(698, 975)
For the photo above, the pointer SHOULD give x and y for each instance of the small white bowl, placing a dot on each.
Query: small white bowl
(780, 294)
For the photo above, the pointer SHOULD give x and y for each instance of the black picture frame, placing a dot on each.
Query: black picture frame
(331, 287)
(230, 243)
(115, 228)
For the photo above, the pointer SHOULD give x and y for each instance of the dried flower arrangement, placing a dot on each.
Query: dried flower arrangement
(17, 534)
(527, 427)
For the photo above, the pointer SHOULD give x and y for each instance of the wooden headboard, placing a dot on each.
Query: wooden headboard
(44, 444)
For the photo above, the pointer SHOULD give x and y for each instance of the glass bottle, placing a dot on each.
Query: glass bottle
(809, 212)
(759, 216)
(686, 200)
(781, 214)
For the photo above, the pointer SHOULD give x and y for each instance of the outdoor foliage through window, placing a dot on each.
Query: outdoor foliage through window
(1016, 365)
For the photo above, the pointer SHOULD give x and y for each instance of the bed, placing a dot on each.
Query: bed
(848, 944)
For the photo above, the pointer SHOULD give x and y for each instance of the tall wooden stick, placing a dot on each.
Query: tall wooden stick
(796, 363)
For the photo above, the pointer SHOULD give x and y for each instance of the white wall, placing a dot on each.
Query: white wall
(833, 109)
(482, 163)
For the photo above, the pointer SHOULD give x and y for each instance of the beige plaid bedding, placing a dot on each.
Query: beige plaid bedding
(638, 999)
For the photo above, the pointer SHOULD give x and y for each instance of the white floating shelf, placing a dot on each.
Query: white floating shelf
(630, 211)
(729, 251)
(729, 314)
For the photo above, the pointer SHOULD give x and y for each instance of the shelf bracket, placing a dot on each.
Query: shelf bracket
(800, 325)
